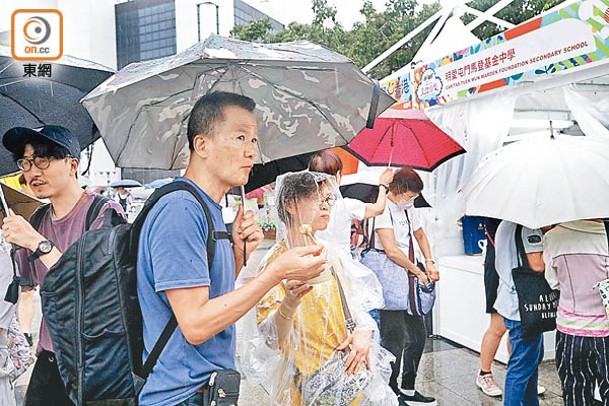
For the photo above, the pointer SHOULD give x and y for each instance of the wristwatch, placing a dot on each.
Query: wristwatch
(385, 186)
(44, 247)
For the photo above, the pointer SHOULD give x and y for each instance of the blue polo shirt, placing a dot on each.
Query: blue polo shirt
(172, 255)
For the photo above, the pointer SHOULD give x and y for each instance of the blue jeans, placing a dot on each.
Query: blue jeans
(522, 371)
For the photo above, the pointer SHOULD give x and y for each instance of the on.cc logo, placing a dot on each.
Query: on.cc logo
(36, 30)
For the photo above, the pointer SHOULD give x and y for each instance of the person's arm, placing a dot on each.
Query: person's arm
(245, 228)
(536, 261)
(200, 318)
(17, 230)
(394, 253)
(425, 247)
(283, 318)
(377, 208)
(533, 246)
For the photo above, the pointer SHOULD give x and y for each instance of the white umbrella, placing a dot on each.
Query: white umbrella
(542, 181)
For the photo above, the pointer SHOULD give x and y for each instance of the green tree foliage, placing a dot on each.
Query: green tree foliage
(379, 30)
(254, 31)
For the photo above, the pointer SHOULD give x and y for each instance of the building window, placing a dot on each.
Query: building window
(145, 31)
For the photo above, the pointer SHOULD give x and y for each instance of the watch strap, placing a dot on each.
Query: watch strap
(36, 254)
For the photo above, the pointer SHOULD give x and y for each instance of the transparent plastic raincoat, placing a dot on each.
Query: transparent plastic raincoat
(314, 342)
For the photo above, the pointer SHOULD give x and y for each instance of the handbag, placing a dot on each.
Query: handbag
(19, 350)
(537, 301)
(413, 296)
(330, 385)
(223, 388)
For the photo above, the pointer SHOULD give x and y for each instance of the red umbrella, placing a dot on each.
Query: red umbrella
(404, 138)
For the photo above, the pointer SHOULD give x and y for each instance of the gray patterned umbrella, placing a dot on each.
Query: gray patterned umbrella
(308, 98)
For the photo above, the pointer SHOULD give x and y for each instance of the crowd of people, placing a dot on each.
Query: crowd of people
(331, 328)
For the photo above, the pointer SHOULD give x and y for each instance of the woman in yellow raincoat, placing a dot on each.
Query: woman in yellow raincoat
(327, 344)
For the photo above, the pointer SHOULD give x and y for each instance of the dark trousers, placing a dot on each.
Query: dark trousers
(198, 399)
(404, 336)
(582, 361)
(46, 387)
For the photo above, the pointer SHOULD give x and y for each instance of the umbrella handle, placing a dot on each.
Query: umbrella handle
(244, 241)
(374, 104)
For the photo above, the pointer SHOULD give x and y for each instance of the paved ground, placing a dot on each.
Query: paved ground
(447, 372)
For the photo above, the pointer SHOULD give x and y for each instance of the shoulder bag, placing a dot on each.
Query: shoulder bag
(537, 301)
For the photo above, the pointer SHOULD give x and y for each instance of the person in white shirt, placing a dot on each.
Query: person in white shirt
(395, 231)
(347, 209)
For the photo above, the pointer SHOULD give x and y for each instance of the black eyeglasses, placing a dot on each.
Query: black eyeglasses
(329, 199)
(40, 162)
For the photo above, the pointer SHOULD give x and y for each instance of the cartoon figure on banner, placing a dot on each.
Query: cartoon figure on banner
(429, 88)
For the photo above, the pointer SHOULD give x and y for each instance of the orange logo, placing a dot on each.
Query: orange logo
(37, 35)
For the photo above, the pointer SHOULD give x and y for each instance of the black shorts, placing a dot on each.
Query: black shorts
(491, 280)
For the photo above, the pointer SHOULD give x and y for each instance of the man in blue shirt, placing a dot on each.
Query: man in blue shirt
(173, 275)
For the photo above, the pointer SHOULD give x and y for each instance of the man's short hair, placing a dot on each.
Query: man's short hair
(406, 180)
(326, 162)
(43, 147)
(209, 111)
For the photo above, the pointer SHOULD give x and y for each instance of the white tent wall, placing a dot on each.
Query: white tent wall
(483, 123)
(590, 111)
(480, 126)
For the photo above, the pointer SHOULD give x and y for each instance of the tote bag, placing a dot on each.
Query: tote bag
(537, 301)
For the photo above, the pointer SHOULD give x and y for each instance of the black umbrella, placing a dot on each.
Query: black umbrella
(368, 193)
(263, 174)
(125, 183)
(35, 101)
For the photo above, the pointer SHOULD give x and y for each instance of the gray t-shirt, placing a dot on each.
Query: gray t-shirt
(63, 232)
(506, 259)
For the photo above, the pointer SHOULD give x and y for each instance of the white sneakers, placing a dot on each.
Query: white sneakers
(488, 385)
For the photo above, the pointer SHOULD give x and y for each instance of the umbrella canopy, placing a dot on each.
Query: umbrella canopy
(125, 183)
(308, 98)
(542, 181)
(404, 138)
(263, 174)
(18, 202)
(155, 184)
(35, 101)
(368, 193)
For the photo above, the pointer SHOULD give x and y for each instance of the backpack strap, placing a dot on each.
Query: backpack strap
(92, 213)
(36, 217)
(98, 202)
(212, 237)
(523, 260)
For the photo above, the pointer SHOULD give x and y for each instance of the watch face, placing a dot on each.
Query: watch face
(45, 247)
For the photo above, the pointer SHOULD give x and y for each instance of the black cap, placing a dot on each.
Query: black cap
(15, 138)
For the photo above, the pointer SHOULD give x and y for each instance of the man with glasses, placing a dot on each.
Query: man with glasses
(173, 273)
(49, 161)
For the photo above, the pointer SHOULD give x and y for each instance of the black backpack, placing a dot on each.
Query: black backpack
(90, 304)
